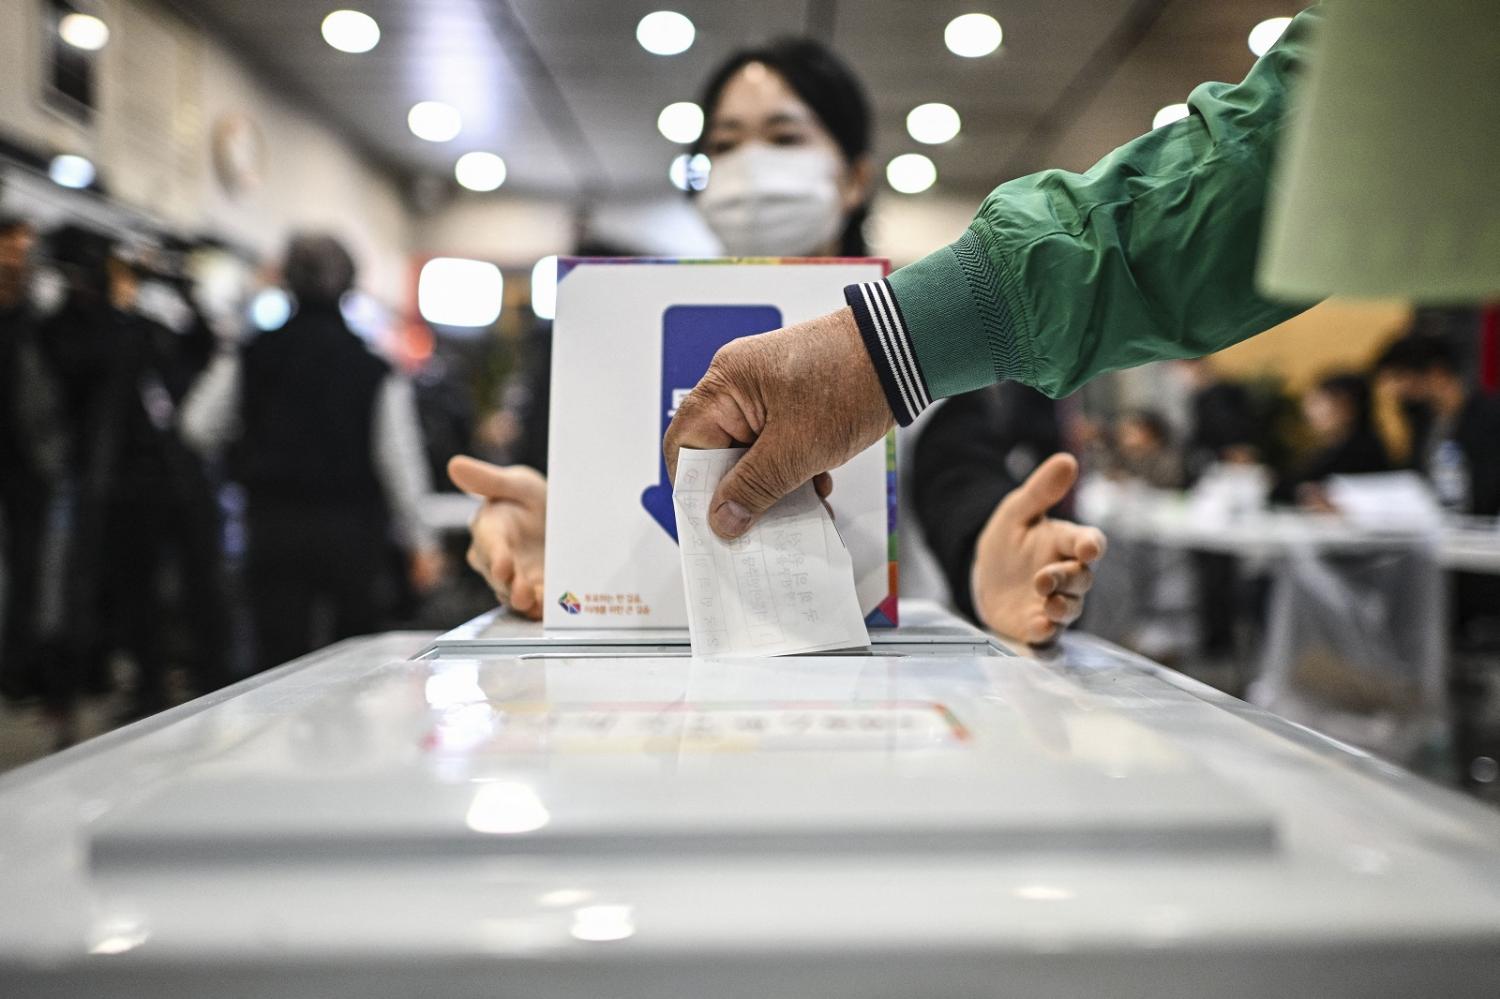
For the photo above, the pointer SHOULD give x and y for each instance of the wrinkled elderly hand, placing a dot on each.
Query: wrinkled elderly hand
(1030, 571)
(805, 398)
(509, 530)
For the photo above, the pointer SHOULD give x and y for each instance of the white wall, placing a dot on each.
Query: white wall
(904, 229)
(161, 85)
(515, 231)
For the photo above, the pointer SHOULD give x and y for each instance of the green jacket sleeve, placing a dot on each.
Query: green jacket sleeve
(1061, 276)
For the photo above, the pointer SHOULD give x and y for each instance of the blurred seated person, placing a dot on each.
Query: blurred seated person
(789, 129)
(328, 446)
(1143, 450)
(1222, 425)
(1338, 413)
(1446, 416)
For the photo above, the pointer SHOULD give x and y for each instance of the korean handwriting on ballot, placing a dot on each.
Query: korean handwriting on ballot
(785, 586)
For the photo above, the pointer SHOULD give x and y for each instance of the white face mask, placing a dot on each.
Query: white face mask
(767, 201)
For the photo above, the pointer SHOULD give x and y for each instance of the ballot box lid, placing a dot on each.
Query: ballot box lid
(391, 817)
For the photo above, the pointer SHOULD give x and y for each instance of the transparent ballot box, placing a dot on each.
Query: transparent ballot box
(503, 811)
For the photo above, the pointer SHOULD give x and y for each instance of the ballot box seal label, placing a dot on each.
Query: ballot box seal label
(714, 727)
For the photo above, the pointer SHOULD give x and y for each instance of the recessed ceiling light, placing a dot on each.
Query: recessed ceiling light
(351, 31)
(434, 121)
(681, 122)
(932, 124)
(1265, 34)
(72, 171)
(480, 171)
(689, 172)
(911, 173)
(665, 32)
(452, 291)
(83, 31)
(973, 35)
(1169, 114)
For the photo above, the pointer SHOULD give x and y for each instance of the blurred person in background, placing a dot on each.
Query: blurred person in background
(1222, 430)
(32, 455)
(1454, 427)
(1221, 420)
(143, 512)
(1338, 412)
(788, 131)
(328, 446)
(1144, 452)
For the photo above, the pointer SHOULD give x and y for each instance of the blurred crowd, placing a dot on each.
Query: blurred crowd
(184, 503)
(1416, 407)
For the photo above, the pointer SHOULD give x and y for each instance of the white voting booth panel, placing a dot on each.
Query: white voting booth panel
(631, 339)
(504, 811)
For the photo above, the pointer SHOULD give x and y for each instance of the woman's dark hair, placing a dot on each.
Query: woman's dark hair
(826, 84)
(1353, 389)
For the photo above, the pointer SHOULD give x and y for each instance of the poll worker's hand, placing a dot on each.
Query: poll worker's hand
(508, 531)
(805, 398)
(1031, 571)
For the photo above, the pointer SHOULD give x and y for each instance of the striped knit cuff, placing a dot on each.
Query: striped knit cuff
(883, 331)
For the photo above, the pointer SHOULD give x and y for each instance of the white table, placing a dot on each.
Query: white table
(507, 812)
(1166, 519)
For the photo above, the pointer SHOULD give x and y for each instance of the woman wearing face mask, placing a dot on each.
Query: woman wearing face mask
(788, 133)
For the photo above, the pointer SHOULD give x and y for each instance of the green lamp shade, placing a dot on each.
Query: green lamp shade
(1388, 179)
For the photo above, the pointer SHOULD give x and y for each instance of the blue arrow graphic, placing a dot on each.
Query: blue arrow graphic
(690, 334)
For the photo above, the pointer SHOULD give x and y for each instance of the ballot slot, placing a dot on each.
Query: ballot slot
(574, 753)
(924, 625)
(885, 650)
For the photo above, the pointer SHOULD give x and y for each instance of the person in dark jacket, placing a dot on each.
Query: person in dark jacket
(142, 504)
(1441, 408)
(1337, 410)
(32, 453)
(327, 444)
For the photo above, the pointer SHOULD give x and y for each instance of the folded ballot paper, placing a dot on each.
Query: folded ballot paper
(785, 586)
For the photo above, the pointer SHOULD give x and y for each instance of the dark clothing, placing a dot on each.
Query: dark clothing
(1477, 433)
(307, 404)
(122, 378)
(31, 460)
(1223, 417)
(535, 400)
(316, 575)
(142, 505)
(144, 540)
(975, 449)
(1476, 597)
(1361, 452)
(318, 523)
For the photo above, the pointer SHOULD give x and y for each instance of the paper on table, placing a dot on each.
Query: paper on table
(785, 586)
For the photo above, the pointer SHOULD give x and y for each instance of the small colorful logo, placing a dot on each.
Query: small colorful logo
(570, 602)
